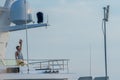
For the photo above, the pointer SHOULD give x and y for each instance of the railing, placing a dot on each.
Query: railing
(45, 65)
(52, 65)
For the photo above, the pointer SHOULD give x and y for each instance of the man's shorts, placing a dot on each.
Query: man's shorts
(20, 62)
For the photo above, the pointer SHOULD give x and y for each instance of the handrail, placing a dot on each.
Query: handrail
(49, 60)
(47, 65)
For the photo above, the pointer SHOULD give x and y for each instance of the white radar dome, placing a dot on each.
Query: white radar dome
(20, 12)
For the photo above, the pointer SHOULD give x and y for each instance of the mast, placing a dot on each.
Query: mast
(25, 2)
(105, 20)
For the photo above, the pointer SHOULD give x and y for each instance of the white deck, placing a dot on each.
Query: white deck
(34, 76)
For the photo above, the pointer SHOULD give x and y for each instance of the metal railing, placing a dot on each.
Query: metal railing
(46, 65)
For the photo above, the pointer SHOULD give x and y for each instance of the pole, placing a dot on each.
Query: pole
(105, 48)
(26, 37)
(106, 12)
(90, 60)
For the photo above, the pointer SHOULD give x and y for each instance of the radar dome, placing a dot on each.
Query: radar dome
(20, 12)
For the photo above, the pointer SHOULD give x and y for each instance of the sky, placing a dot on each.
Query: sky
(75, 33)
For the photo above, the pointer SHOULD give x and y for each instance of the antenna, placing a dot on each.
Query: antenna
(90, 60)
(106, 13)
(105, 19)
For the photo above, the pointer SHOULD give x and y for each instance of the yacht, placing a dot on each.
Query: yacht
(17, 12)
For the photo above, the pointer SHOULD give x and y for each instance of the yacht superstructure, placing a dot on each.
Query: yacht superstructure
(53, 69)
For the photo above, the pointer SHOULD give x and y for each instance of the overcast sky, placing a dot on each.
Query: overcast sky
(75, 31)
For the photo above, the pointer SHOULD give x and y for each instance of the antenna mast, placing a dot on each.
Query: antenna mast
(105, 19)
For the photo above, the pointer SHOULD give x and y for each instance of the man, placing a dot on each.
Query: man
(18, 54)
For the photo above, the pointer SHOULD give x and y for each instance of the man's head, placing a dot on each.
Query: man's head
(18, 48)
